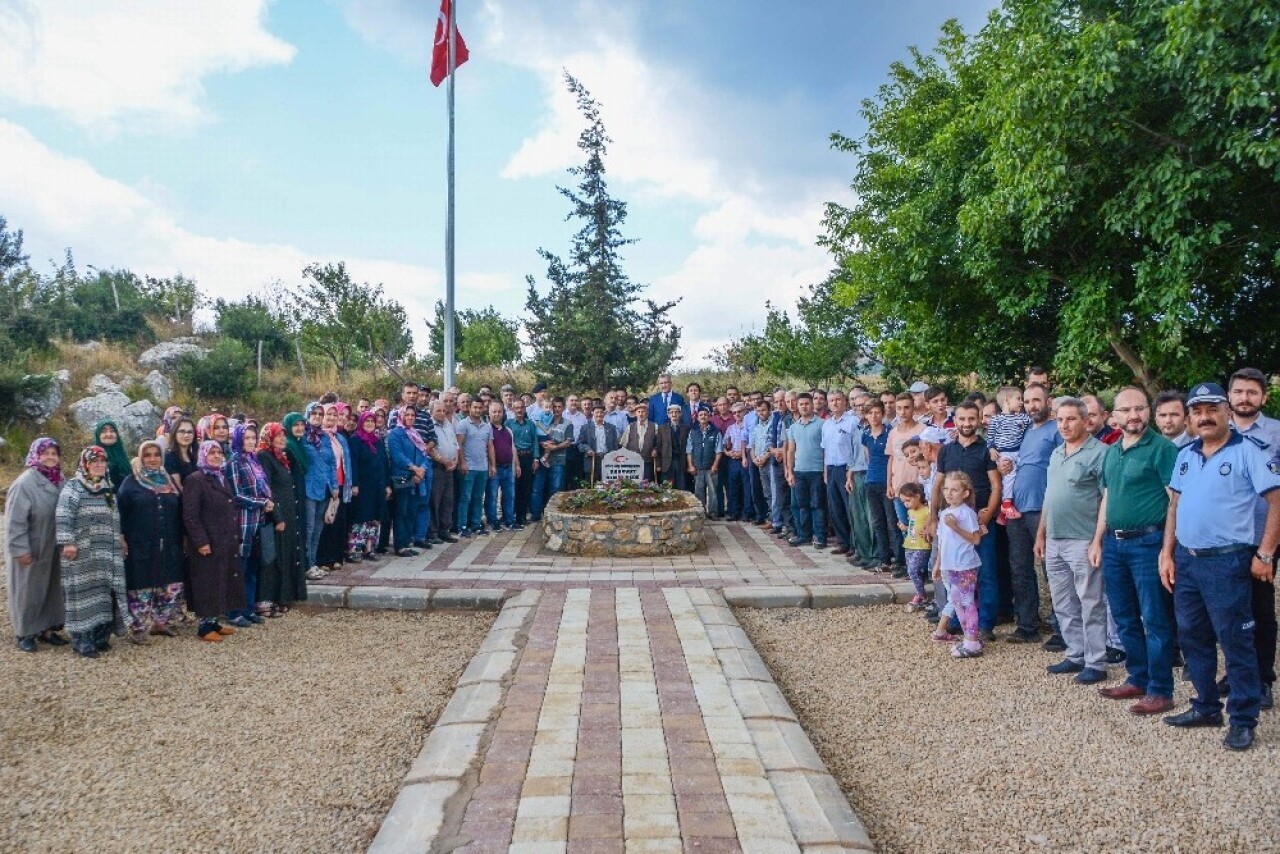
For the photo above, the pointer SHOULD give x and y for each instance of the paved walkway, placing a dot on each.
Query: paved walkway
(736, 555)
(627, 719)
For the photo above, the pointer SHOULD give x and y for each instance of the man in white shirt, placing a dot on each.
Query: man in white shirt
(838, 431)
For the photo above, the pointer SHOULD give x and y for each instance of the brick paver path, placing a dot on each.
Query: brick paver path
(632, 720)
(736, 555)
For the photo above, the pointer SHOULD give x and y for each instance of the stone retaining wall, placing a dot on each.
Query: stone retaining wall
(665, 532)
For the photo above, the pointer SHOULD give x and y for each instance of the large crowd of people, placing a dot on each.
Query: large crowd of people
(1156, 523)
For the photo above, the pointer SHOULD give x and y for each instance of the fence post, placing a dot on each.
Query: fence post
(259, 363)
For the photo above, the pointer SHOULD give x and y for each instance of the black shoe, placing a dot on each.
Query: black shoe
(102, 645)
(448, 538)
(1192, 718)
(796, 541)
(1064, 666)
(899, 573)
(1224, 687)
(53, 639)
(986, 635)
(27, 644)
(820, 546)
(86, 649)
(436, 541)
(354, 558)
(1115, 656)
(1090, 676)
(1238, 738)
(1022, 636)
(407, 553)
(1268, 698)
(256, 619)
(1054, 644)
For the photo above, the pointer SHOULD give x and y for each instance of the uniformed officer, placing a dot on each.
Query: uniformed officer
(1208, 560)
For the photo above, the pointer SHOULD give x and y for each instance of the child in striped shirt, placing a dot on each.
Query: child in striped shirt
(1004, 437)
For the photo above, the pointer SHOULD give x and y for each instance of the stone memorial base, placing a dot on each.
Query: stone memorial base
(641, 534)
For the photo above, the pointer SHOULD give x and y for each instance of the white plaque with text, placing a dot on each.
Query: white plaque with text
(622, 465)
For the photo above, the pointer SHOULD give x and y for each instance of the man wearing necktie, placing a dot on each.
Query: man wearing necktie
(665, 397)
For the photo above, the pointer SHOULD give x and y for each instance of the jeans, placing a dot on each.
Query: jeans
(1076, 588)
(406, 505)
(838, 503)
(422, 513)
(1212, 600)
(505, 481)
(315, 527)
(989, 581)
(878, 506)
(1022, 570)
(811, 523)
(736, 476)
(550, 481)
(1142, 608)
(859, 518)
(754, 503)
(471, 500)
(781, 501)
(704, 489)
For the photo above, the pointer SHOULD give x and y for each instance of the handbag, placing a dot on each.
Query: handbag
(401, 481)
(267, 544)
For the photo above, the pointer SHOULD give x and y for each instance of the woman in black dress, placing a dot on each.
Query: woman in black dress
(151, 523)
(281, 580)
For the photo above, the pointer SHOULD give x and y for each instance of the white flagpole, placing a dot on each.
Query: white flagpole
(448, 228)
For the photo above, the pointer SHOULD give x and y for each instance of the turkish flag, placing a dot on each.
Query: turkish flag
(440, 52)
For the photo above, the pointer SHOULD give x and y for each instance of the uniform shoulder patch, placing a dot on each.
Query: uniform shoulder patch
(1182, 467)
(1224, 469)
(1256, 441)
(1274, 466)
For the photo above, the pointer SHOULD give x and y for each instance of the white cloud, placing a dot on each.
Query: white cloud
(53, 197)
(104, 62)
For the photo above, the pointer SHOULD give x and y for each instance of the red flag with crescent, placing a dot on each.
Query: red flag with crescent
(440, 52)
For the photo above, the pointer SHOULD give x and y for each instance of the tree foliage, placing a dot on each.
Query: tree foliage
(482, 338)
(346, 322)
(252, 320)
(593, 329)
(1087, 183)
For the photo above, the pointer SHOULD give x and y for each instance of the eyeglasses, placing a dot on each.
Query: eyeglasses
(186, 432)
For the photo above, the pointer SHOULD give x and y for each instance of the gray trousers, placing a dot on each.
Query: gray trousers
(704, 481)
(1078, 601)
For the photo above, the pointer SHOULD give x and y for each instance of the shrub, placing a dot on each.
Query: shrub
(224, 373)
(623, 496)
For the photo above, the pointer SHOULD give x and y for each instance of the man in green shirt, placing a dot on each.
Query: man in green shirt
(1126, 544)
(1068, 523)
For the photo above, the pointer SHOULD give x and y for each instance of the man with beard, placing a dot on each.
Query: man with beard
(1211, 551)
(1126, 544)
(1037, 446)
(1171, 417)
(969, 454)
(1247, 391)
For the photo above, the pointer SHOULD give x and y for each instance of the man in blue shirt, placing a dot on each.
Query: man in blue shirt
(1038, 445)
(875, 439)
(1209, 558)
(804, 474)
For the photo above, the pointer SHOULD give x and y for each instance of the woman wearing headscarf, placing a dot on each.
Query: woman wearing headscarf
(281, 580)
(321, 478)
(373, 487)
(253, 500)
(180, 458)
(388, 510)
(151, 521)
(165, 430)
(107, 436)
(93, 581)
(34, 579)
(214, 584)
(408, 454)
(332, 549)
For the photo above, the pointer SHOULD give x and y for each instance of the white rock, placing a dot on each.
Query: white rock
(63, 377)
(40, 406)
(90, 410)
(167, 354)
(101, 383)
(89, 347)
(159, 388)
(139, 421)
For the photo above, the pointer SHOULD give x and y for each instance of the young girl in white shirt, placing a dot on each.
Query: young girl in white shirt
(958, 536)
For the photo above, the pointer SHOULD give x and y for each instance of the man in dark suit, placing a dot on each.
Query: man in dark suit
(597, 438)
(673, 438)
(664, 398)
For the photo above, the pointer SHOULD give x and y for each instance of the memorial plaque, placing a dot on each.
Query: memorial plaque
(622, 465)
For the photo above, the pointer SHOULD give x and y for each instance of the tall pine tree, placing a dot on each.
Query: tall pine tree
(593, 329)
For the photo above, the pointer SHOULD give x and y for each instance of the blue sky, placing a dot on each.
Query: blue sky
(236, 140)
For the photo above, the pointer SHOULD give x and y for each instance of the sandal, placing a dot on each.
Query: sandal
(962, 651)
(945, 637)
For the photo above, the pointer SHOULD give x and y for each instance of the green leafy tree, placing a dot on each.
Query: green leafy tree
(482, 338)
(346, 322)
(1088, 184)
(252, 320)
(174, 298)
(224, 373)
(593, 329)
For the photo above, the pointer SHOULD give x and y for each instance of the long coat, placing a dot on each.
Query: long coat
(214, 584)
(372, 476)
(152, 526)
(283, 582)
(30, 528)
(93, 584)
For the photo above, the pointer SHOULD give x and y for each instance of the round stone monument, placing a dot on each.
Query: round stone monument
(616, 521)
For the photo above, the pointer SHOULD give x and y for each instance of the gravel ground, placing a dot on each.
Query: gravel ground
(995, 754)
(293, 736)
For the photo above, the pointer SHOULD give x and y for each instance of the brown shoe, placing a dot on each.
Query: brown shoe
(1151, 705)
(211, 637)
(1122, 692)
(226, 630)
(765, 524)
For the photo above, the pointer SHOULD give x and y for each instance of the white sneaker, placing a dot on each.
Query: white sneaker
(315, 573)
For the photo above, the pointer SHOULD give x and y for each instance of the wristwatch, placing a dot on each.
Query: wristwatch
(1269, 560)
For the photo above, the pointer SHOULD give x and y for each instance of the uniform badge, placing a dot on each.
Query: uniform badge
(1182, 469)
(1274, 467)
(1224, 469)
